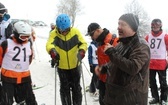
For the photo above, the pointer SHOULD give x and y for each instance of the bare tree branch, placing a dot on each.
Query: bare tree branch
(70, 7)
(135, 8)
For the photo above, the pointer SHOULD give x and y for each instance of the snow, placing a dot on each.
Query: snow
(43, 75)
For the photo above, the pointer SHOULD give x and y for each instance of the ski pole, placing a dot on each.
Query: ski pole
(36, 50)
(87, 69)
(56, 83)
(83, 84)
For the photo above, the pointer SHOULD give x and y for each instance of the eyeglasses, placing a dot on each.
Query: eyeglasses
(92, 33)
(24, 37)
(63, 31)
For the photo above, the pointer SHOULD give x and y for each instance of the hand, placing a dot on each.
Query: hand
(54, 55)
(104, 69)
(81, 54)
(91, 68)
(97, 70)
(107, 46)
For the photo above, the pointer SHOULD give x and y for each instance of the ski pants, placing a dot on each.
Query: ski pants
(20, 92)
(70, 87)
(102, 88)
(94, 81)
(163, 84)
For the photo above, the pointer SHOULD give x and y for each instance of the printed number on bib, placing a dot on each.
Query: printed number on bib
(155, 43)
(19, 50)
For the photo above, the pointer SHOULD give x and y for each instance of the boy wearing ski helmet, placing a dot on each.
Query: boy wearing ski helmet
(67, 47)
(15, 57)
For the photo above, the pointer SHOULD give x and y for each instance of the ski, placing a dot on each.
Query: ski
(87, 88)
(34, 87)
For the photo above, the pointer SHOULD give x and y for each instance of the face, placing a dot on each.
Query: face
(65, 32)
(52, 26)
(156, 26)
(124, 30)
(94, 34)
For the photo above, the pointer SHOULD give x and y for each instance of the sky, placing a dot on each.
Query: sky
(104, 12)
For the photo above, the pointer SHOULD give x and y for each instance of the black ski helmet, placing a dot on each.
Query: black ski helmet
(2, 8)
(157, 22)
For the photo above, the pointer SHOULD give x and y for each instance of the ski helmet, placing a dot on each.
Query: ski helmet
(22, 29)
(63, 22)
(157, 22)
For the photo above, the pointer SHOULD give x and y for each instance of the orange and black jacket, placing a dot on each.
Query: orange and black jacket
(103, 59)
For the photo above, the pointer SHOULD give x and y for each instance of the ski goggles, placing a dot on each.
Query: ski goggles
(24, 37)
(156, 24)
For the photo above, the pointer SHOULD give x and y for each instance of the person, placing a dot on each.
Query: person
(101, 36)
(128, 73)
(67, 47)
(93, 62)
(15, 57)
(158, 42)
(5, 29)
(5, 25)
(52, 25)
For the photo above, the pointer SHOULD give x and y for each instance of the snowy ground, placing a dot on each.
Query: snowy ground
(44, 75)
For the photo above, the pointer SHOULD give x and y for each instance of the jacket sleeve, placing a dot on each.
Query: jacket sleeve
(134, 63)
(49, 44)
(8, 31)
(3, 48)
(82, 43)
(166, 41)
(90, 55)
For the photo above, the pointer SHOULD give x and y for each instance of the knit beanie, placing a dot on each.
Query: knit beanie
(131, 19)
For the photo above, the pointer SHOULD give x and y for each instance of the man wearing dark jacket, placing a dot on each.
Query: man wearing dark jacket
(128, 73)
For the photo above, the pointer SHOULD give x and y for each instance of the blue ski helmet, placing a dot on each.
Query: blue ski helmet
(63, 22)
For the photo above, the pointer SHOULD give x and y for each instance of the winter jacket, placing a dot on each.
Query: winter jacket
(105, 37)
(127, 77)
(159, 63)
(5, 30)
(15, 60)
(92, 53)
(67, 46)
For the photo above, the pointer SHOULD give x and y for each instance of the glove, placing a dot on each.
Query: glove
(104, 69)
(54, 55)
(81, 54)
(91, 68)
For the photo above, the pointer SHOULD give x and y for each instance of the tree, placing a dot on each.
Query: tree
(135, 8)
(70, 7)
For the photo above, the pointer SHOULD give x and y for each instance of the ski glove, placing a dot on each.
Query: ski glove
(81, 54)
(104, 69)
(91, 68)
(54, 55)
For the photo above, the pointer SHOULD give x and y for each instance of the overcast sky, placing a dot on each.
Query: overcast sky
(105, 12)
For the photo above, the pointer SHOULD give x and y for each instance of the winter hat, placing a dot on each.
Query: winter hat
(92, 27)
(131, 19)
(2, 8)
